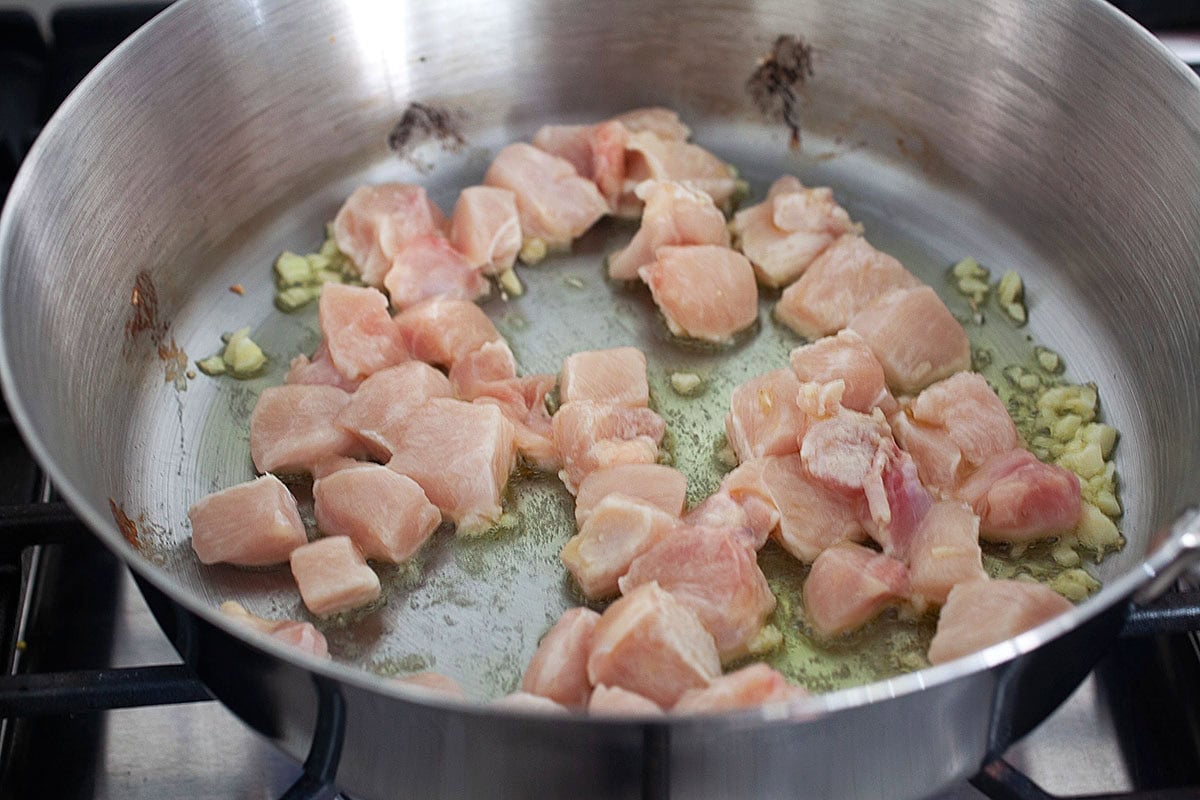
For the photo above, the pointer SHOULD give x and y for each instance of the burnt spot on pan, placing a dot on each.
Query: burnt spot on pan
(143, 314)
(421, 124)
(776, 83)
(127, 526)
(175, 364)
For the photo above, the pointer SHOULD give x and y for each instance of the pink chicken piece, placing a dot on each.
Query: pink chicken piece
(435, 683)
(811, 517)
(741, 504)
(705, 291)
(333, 576)
(524, 701)
(440, 331)
(358, 331)
(291, 428)
(843, 280)
(840, 450)
(485, 228)
(1020, 499)
(591, 436)
(971, 413)
(554, 203)
(429, 266)
(847, 358)
(379, 408)
(785, 233)
(939, 460)
(897, 501)
(331, 464)
(674, 214)
(523, 403)
(615, 701)
(319, 371)
(253, 524)
(748, 687)
(460, 454)
(650, 643)
(302, 635)
(558, 670)
(375, 222)
(944, 553)
(979, 614)
(616, 376)
(618, 530)
(607, 141)
(711, 572)
(479, 372)
(850, 585)
(651, 157)
(764, 418)
(387, 515)
(571, 143)
(915, 337)
(662, 122)
(657, 485)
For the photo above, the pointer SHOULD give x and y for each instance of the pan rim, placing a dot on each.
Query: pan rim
(1115, 591)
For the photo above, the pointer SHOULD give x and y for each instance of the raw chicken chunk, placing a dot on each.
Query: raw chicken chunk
(944, 553)
(483, 371)
(375, 222)
(650, 157)
(331, 464)
(674, 214)
(764, 418)
(850, 585)
(784, 234)
(485, 228)
(569, 142)
(662, 122)
(333, 576)
(615, 701)
(841, 450)
(523, 403)
(713, 574)
(915, 337)
(897, 501)
(291, 428)
(554, 203)
(616, 376)
(705, 291)
(435, 683)
(597, 152)
(302, 635)
(460, 454)
(844, 279)
(748, 687)
(742, 504)
(811, 517)
(320, 371)
(387, 515)
(650, 643)
(441, 331)
(657, 485)
(558, 670)
(253, 524)
(358, 331)
(971, 413)
(847, 358)
(939, 460)
(524, 701)
(618, 530)
(429, 266)
(378, 409)
(979, 614)
(1021, 499)
(591, 436)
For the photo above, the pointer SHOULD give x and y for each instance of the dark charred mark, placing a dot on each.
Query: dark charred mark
(774, 86)
(128, 527)
(144, 314)
(420, 124)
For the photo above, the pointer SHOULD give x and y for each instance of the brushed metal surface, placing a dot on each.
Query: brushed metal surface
(1053, 138)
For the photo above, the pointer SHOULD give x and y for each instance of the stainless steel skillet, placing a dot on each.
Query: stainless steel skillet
(1054, 138)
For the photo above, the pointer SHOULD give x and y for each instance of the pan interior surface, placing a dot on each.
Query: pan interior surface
(946, 135)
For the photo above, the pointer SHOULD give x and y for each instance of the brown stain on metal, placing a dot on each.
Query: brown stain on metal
(776, 83)
(127, 526)
(175, 362)
(143, 316)
(421, 123)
